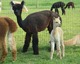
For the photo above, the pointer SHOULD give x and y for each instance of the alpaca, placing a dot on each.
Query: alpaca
(24, 7)
(7, 27)
(56, 37)
(73, 41)
(70, 4)
(33, 24)
(57, 5)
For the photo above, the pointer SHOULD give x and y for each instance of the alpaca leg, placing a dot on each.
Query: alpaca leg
(59, 50)
(63, 48)
(68, 7)
(4, 49)
(12, 45)
(51, 8)
(56, 10)
(52, 50)
(63, 11)
(27, 42)
(73, 6)
(35, 43)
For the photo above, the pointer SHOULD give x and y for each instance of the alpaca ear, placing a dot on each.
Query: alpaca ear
(22, 3)
(11, 3)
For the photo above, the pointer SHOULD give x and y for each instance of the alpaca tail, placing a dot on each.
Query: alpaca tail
(12, 24)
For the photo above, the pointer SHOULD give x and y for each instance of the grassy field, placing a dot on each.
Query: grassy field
(70, 26)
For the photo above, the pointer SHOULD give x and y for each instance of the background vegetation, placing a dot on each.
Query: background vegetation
(70, 25)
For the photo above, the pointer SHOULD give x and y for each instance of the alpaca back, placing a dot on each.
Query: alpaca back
(74, 41)
(57, 5)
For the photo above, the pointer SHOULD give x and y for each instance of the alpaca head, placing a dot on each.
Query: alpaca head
(17, 8)
(57, 22)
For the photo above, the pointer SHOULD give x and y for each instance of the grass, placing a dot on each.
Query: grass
(70, 25)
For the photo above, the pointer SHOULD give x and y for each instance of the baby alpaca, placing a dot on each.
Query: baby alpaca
(70, 4)
(57, 37)
(7, 27)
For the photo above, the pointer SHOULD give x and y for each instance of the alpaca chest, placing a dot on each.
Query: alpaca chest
(55, 36)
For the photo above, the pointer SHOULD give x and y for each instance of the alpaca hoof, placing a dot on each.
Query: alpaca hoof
(1, 61)
(13, 61)
(51, 58)
(60, 57)
(36, 53)
(24, 51)
(63, 55)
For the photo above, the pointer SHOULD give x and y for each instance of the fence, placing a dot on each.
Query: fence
(70, 24)
(37, 3)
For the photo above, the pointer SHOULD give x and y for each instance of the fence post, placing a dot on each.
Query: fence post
(36, 3)
(0, 5)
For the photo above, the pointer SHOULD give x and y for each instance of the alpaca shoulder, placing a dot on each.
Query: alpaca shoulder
(59, 30)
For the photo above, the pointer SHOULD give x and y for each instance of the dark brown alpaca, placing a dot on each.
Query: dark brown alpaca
(33, 24)
(70, 4)
(57, 5)
(7, 27)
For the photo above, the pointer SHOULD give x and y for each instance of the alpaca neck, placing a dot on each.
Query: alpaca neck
(54, 28)
(19, 20)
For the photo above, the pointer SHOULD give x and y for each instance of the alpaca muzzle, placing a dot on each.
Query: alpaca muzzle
(17, 12)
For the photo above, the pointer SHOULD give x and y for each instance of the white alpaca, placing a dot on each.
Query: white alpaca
(57, 37)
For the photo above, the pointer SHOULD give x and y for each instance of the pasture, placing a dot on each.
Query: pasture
(70, 26)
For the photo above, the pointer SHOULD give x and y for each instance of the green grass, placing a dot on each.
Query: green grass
(70, 26)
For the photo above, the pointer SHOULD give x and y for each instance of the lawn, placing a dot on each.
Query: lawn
(70, 26)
